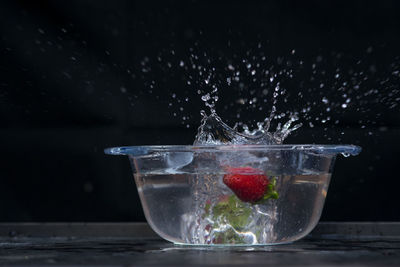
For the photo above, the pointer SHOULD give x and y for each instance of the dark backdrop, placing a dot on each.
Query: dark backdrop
(77, 77)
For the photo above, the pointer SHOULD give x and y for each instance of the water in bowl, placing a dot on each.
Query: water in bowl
(200, 209)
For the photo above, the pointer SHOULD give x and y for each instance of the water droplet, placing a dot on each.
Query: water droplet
(241, 101)
(344, 105)
(205, 97)
(325, 100)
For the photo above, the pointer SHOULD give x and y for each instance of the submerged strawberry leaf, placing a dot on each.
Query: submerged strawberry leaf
(270, 193)
(229, 212)
(233, 212)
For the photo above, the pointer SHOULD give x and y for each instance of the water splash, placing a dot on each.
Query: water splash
(325, 90)
(213, 131)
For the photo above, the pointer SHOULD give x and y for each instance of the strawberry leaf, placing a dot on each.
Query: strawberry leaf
(230, 211)
(270, 193)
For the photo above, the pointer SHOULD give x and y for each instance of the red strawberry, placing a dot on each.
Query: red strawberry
(249, 184)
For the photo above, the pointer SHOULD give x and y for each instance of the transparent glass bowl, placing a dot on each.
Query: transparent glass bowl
(186, 201)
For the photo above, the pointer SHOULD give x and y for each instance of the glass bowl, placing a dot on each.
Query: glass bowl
(187, 198)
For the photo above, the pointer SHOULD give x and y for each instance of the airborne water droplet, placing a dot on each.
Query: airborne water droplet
(205, 97)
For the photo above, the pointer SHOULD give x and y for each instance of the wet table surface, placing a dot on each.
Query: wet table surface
(134, 244)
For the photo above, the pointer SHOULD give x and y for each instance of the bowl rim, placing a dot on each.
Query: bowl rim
(345, 150)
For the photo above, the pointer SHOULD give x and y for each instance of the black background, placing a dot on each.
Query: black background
(76, 77)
